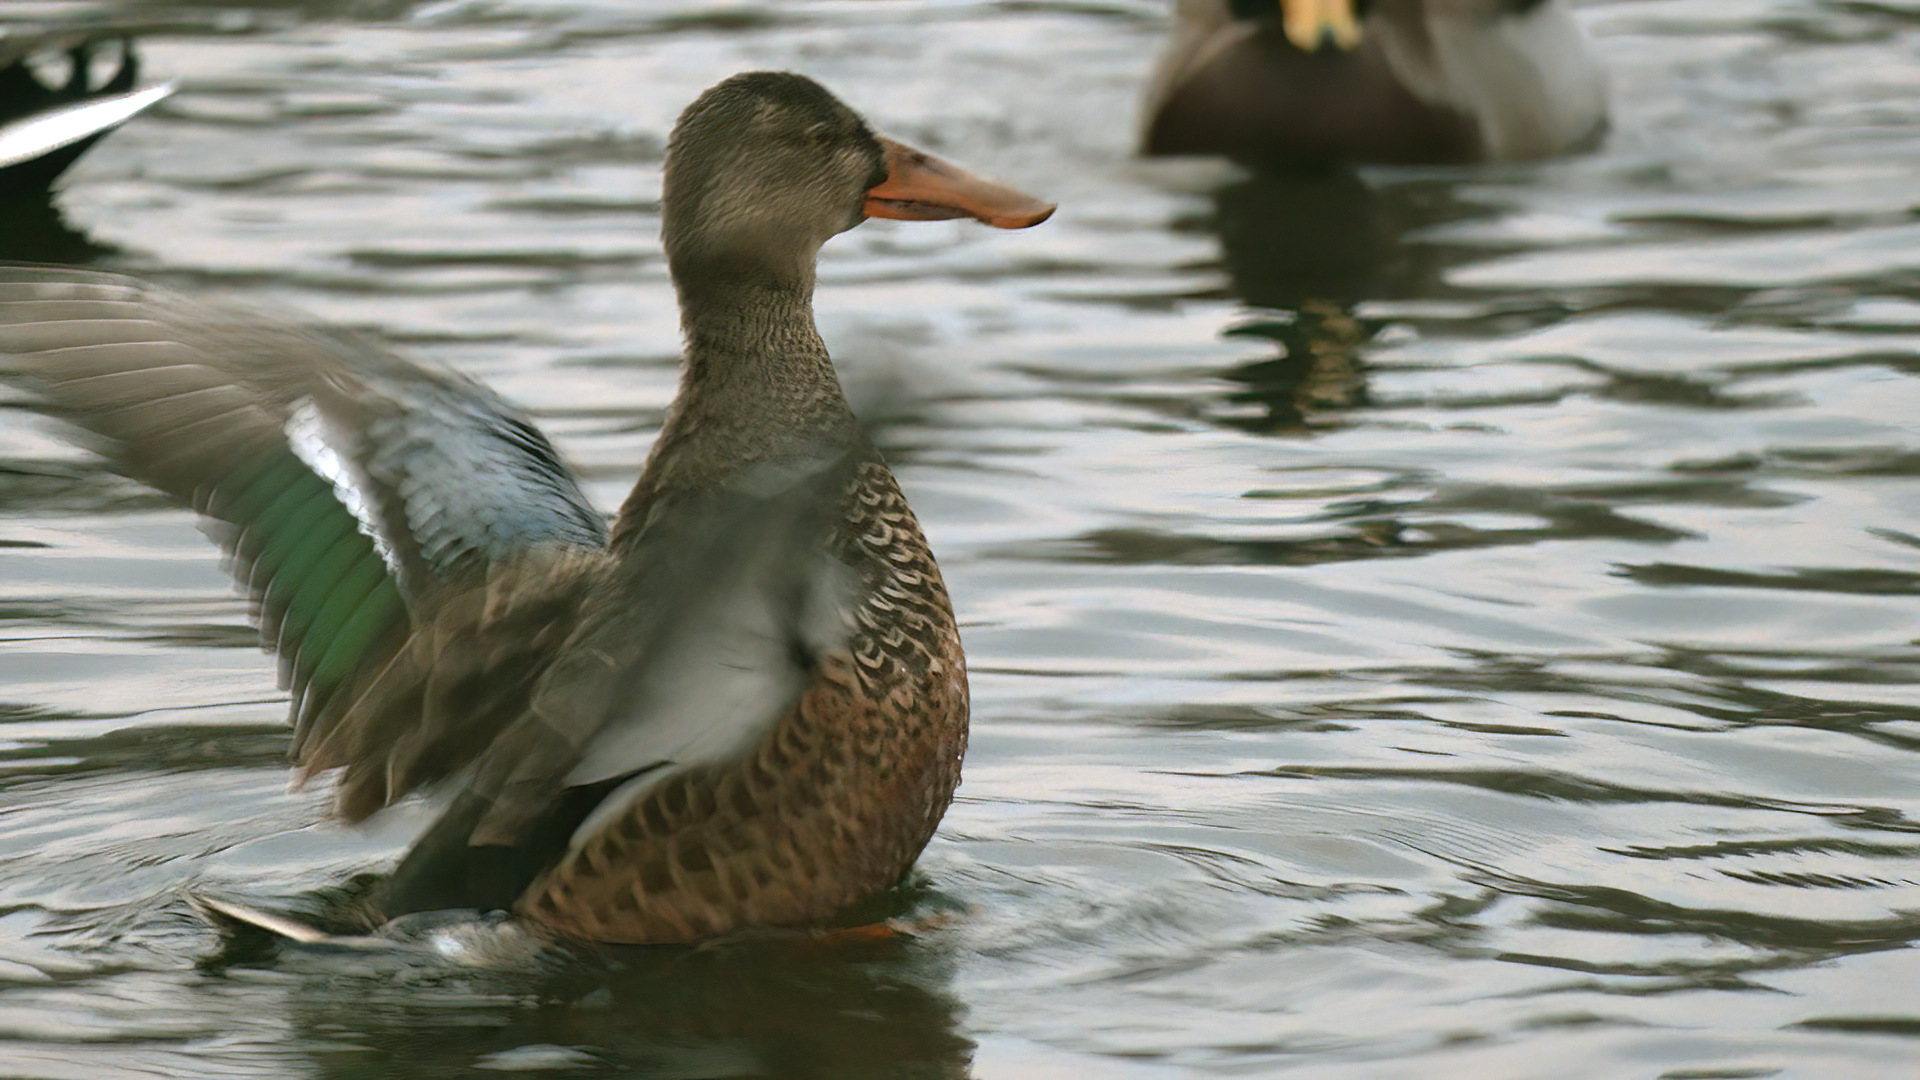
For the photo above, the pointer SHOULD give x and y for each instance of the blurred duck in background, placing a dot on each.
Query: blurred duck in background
(1404, 82)
(45, 127)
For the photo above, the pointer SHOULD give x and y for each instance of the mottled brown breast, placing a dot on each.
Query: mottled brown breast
(833, 805)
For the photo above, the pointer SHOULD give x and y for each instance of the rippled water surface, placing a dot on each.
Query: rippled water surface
(1450, 623)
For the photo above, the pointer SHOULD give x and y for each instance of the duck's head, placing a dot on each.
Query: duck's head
(766, 166)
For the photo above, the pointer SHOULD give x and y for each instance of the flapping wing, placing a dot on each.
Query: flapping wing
(707, 635)
(357, 494)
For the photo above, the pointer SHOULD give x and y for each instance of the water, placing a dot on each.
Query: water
(1458, 623)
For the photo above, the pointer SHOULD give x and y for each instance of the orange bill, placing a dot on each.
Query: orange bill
(921, 187)
(1313, 24)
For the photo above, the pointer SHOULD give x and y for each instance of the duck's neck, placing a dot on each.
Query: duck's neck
(756, 384)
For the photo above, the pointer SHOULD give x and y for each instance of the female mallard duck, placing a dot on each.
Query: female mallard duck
(744, 705)
(1409, 82)
(43, 128)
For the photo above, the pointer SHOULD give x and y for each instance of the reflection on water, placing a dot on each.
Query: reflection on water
(1305, 249)
(1318, 374)
(1427, 623)
(780, 1007)
(718, 1013)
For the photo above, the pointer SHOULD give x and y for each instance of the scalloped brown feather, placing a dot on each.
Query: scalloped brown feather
(834, 804)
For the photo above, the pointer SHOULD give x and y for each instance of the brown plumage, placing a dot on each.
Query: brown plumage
(745, 705)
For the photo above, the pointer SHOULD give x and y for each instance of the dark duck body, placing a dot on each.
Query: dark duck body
(743, 705)
(1396, 82)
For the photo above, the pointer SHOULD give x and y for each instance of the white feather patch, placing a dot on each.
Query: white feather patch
(46, 132)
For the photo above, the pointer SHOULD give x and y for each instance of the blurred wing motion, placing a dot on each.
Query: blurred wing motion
(439, 591)
(359, 496)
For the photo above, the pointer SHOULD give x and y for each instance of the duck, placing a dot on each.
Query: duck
(742, 704)
(45, 128)
(1389, 82)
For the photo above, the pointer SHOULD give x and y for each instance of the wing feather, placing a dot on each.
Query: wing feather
(360, 498)
(702, 637)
